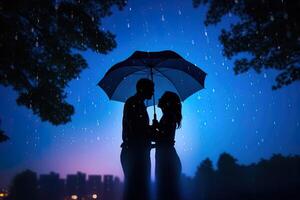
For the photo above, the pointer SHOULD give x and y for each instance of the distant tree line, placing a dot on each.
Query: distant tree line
(276, 178)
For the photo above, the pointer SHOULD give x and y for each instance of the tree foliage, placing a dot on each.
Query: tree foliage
(268, 31)
(226, 164)
(39, 45)
(277, 178)
(24, 186)
(3, 137)
(204, 179)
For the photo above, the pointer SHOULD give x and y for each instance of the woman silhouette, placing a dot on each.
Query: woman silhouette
(168, 166)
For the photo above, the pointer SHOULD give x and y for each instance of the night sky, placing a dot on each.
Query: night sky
(238, 114)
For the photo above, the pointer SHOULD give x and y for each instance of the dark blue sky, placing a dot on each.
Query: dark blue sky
(237, 114)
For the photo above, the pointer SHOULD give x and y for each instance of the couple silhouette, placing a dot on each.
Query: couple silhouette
(139, 137)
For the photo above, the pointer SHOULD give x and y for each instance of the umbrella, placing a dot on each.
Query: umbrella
(168, 70)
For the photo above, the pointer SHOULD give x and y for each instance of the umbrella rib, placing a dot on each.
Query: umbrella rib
(167, 79)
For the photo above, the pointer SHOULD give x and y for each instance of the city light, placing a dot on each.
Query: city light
(94, 196)
(74, 197)
(3, 194)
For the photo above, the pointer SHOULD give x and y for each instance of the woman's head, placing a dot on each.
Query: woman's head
(170, 103)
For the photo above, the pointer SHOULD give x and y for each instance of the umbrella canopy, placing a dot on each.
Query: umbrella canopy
(168, 70)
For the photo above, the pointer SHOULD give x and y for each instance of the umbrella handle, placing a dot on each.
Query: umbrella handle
(151, 74)
(154, 107)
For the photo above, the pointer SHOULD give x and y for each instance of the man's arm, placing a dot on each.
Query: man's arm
(136, 120)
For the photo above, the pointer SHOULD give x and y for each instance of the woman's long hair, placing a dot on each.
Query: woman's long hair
(171, 102)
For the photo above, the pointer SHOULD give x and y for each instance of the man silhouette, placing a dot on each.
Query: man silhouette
(136, 146)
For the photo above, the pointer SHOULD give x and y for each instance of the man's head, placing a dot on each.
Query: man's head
(145, 88)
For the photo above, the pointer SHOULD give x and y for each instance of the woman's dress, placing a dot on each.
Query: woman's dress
(167, 162)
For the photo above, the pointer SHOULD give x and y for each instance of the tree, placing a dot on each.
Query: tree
(268, 31)
(3, 137)
(40, 44)
(228, 177)
(204, 180)
(24, 186)
(276, 178)
(227, 164)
